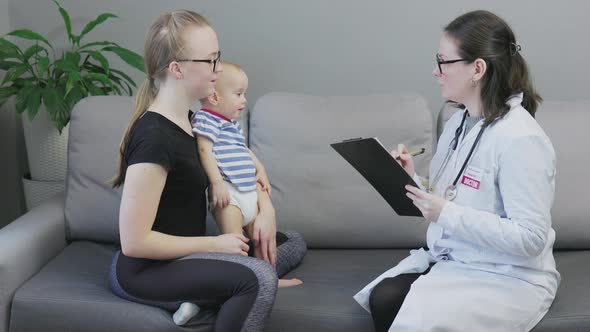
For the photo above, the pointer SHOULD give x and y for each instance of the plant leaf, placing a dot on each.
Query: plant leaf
(131, 58)
(43, 64)
(74, 96)
(33, 102)
(92, 24)
(66, 65)
(6, 65)
(26, 81)
(92, 88)
(66, 18)
(28, 34)
(6, 93)
(51, 100)
(6, 46)
(15, 72)
(116, 89)
(129, 89)
(73, 78)
(99, 77)
(100, 43)
(120, 85)
(125, 76)
(73, 58)
(32, 51)
(62, 116)
(21, 98)
(10, 55)
(100, 58)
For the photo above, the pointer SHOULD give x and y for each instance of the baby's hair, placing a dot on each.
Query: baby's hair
(231, 65)
(223, 78)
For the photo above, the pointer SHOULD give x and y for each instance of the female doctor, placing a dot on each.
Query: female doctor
(489, 264)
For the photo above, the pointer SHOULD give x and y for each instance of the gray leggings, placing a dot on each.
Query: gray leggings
(243, 288)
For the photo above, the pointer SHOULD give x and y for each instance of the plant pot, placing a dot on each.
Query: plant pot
(46, 149)
(38, 191)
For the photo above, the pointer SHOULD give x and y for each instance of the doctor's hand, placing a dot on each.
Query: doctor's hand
(405, 159)
(430, 205)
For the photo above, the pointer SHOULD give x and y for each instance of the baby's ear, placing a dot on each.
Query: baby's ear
(214, 98)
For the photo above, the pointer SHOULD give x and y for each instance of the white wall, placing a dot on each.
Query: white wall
(12, 152)
(340, 47)
(346, 47)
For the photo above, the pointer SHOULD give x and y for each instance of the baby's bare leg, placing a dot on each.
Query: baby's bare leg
(229, 220)
(249, 229)
(289, 282)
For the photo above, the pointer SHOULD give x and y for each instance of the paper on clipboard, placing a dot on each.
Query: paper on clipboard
(372, 160)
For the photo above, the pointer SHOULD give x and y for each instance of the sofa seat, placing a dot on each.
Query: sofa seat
(331, 277)
(570, 310)
(71, 293)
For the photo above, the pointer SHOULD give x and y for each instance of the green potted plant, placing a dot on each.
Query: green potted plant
(47, 83)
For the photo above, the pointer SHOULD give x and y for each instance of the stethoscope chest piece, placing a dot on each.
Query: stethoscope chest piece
(451, 192)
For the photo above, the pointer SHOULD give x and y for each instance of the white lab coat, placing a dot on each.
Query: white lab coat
(492, 245)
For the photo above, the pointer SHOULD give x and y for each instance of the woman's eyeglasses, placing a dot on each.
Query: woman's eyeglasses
(215, 61)
(441, 62)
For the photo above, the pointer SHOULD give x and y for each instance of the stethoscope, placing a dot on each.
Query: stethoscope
(451, 191)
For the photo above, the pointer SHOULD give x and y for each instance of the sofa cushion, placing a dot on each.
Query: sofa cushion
(570, 310)
(92, 206)
(565, 124)
(71, 293)
(315, 191)
(331, 277)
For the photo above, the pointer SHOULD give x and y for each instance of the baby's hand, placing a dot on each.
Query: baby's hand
(219, 195)
(262, 178)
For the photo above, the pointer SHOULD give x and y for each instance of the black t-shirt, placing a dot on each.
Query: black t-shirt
(183, 206)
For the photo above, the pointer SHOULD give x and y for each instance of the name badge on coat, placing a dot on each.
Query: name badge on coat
(472, 177)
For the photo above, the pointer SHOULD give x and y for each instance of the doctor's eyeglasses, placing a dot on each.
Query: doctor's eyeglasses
(441, 62)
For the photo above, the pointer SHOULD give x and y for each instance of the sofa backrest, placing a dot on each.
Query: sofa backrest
(315, 191)
(92, 206)
(566, 125)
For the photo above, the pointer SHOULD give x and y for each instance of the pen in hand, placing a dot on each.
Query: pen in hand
(414, 153)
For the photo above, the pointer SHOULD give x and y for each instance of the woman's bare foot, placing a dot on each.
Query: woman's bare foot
(289, 282)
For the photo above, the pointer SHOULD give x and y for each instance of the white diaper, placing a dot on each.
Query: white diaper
(247, 202)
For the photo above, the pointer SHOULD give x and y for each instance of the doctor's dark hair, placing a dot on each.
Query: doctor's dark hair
(482, 34)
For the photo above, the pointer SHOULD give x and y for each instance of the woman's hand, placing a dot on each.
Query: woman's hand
(231, 244)
(405, 159)
(219, 195)
(430, 205)
(263, 231)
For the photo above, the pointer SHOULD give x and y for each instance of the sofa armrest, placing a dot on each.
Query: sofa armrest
(28, 243)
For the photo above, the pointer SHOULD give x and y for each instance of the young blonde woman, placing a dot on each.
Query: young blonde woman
(165, 257)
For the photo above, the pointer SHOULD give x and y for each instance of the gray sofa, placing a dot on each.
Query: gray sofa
(54, 262)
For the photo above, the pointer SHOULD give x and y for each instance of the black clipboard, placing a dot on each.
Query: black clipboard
(370, 158)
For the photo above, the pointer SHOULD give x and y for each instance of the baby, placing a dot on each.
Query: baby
(233, 170)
